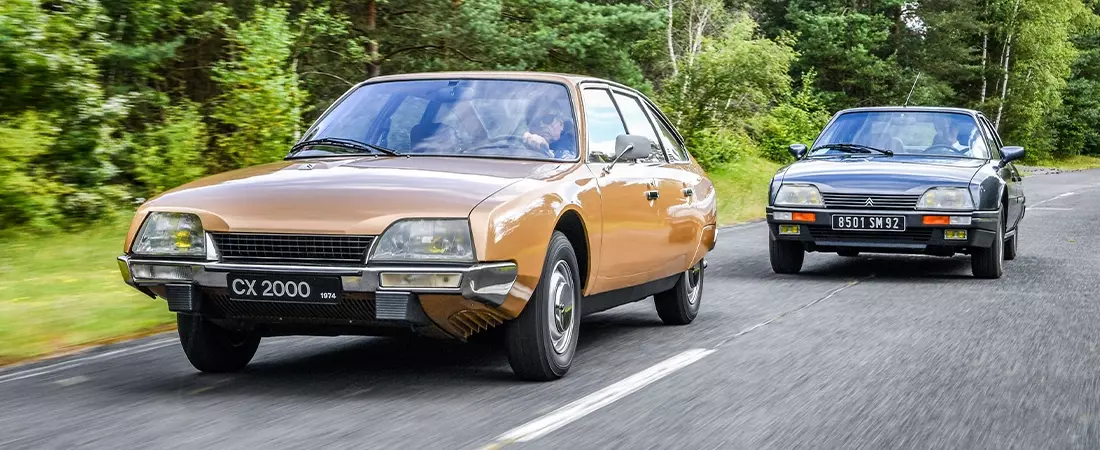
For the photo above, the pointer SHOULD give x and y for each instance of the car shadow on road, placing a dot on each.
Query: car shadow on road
(891, 267)
(376, 367)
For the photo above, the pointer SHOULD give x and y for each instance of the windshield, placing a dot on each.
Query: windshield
(495, 118)
(904, 133)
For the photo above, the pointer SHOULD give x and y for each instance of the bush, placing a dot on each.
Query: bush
(171, 154)
(26, 195)
(784, 125)
(713, 147)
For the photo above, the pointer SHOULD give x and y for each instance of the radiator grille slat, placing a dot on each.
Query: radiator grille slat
(337, 250)
(877, 201)
(354, 308)
(910, 236)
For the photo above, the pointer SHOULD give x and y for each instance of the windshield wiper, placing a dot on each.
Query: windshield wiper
(350, 144)
(853, 148)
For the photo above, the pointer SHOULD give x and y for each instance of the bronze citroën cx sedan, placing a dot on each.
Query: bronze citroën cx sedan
(445, 204)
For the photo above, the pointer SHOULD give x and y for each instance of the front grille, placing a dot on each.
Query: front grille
(911, 236)
(354, 308)
(877, 201)
(339, 250)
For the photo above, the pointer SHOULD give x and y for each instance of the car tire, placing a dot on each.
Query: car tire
(680, 305)
(212, 348)
(786, 256)
(848, 253)
(542, 341)
(989, 262)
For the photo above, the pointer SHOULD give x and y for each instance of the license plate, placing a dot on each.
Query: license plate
(868, 223)
(284, 288)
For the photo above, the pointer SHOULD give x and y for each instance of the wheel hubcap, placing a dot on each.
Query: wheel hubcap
(562, 313)
(694, 281)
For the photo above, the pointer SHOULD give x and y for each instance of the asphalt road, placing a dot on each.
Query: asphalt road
(870, 352)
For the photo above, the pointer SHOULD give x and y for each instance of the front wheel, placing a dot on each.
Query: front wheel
(1011, 245)
(214, 349)
(989, 262)
(541, 342)
(680, 305)
(786, 256)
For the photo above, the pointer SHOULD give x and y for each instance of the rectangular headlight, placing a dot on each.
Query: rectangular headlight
(171, 234)
(798, 195)
(443, 240)
(956, 199)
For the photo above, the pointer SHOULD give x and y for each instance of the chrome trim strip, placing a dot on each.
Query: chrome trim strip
(488, 283)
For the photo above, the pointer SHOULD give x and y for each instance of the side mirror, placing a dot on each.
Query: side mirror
(1011, 153)
(797, 150)
(630, 147)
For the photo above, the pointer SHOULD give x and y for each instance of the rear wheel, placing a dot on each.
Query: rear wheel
(541, 342)
(680, 305)
(215, 349)
(786, 256)
(989, 262)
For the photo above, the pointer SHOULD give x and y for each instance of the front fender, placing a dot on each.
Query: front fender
(516, 223)
(987, 188)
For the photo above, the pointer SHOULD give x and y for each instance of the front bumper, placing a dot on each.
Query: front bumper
(487, 283)
(819, 235)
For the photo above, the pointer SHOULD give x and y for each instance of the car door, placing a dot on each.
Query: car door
(629, 235)
(675, 241)
(693, 191)
(1009, 173)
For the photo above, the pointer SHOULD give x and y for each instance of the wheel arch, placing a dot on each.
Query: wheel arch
(571, 224)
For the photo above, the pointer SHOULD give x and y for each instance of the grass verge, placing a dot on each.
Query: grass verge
(1079, 162)
(62, 291)
(742, 188)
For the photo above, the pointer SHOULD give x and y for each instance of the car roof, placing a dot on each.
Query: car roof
(912, 109)
(566, 78)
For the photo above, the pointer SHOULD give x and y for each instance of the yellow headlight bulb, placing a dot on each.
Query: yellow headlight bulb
(183, 239)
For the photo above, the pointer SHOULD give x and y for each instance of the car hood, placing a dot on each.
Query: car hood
(361, 195)
(898, 174)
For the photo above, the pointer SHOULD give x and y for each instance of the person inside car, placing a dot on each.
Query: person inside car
(947, 134)
(543, 131)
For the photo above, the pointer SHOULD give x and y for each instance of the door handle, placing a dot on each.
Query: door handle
(688, 192)
(652, 195)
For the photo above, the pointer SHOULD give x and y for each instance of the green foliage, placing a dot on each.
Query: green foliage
(28, 197)
(713, 147)
(259, 110)
(170, 154)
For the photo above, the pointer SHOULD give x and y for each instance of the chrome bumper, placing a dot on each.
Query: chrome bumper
(487, 283)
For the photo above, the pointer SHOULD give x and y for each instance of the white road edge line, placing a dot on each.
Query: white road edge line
(1048, 208)
(53, 368)
(1056, 197)
(599, 399)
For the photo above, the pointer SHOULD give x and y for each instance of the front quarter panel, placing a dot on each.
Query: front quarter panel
(987, 188)
(516, 223)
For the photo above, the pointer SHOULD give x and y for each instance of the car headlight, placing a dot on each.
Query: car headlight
(798, 195)
(957, 199)
(446, 240)
(171, 234)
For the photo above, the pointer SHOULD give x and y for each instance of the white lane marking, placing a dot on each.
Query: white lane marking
(1056, 197)
(1048, 208)
(599, 399)
(53, 368)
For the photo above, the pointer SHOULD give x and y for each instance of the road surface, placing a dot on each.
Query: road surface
(870, 352)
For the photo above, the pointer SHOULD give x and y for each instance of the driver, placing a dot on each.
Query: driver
(947, 134)
(543, 131)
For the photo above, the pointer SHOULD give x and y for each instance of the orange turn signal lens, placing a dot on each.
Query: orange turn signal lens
(937, 220)
(804, 217)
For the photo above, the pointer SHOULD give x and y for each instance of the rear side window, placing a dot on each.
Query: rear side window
(637, 123)
(676, 152)
(604, 124)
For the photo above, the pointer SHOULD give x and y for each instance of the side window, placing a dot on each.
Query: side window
(994, 140)
(604, 124)
(637, 123)
(676, 152)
